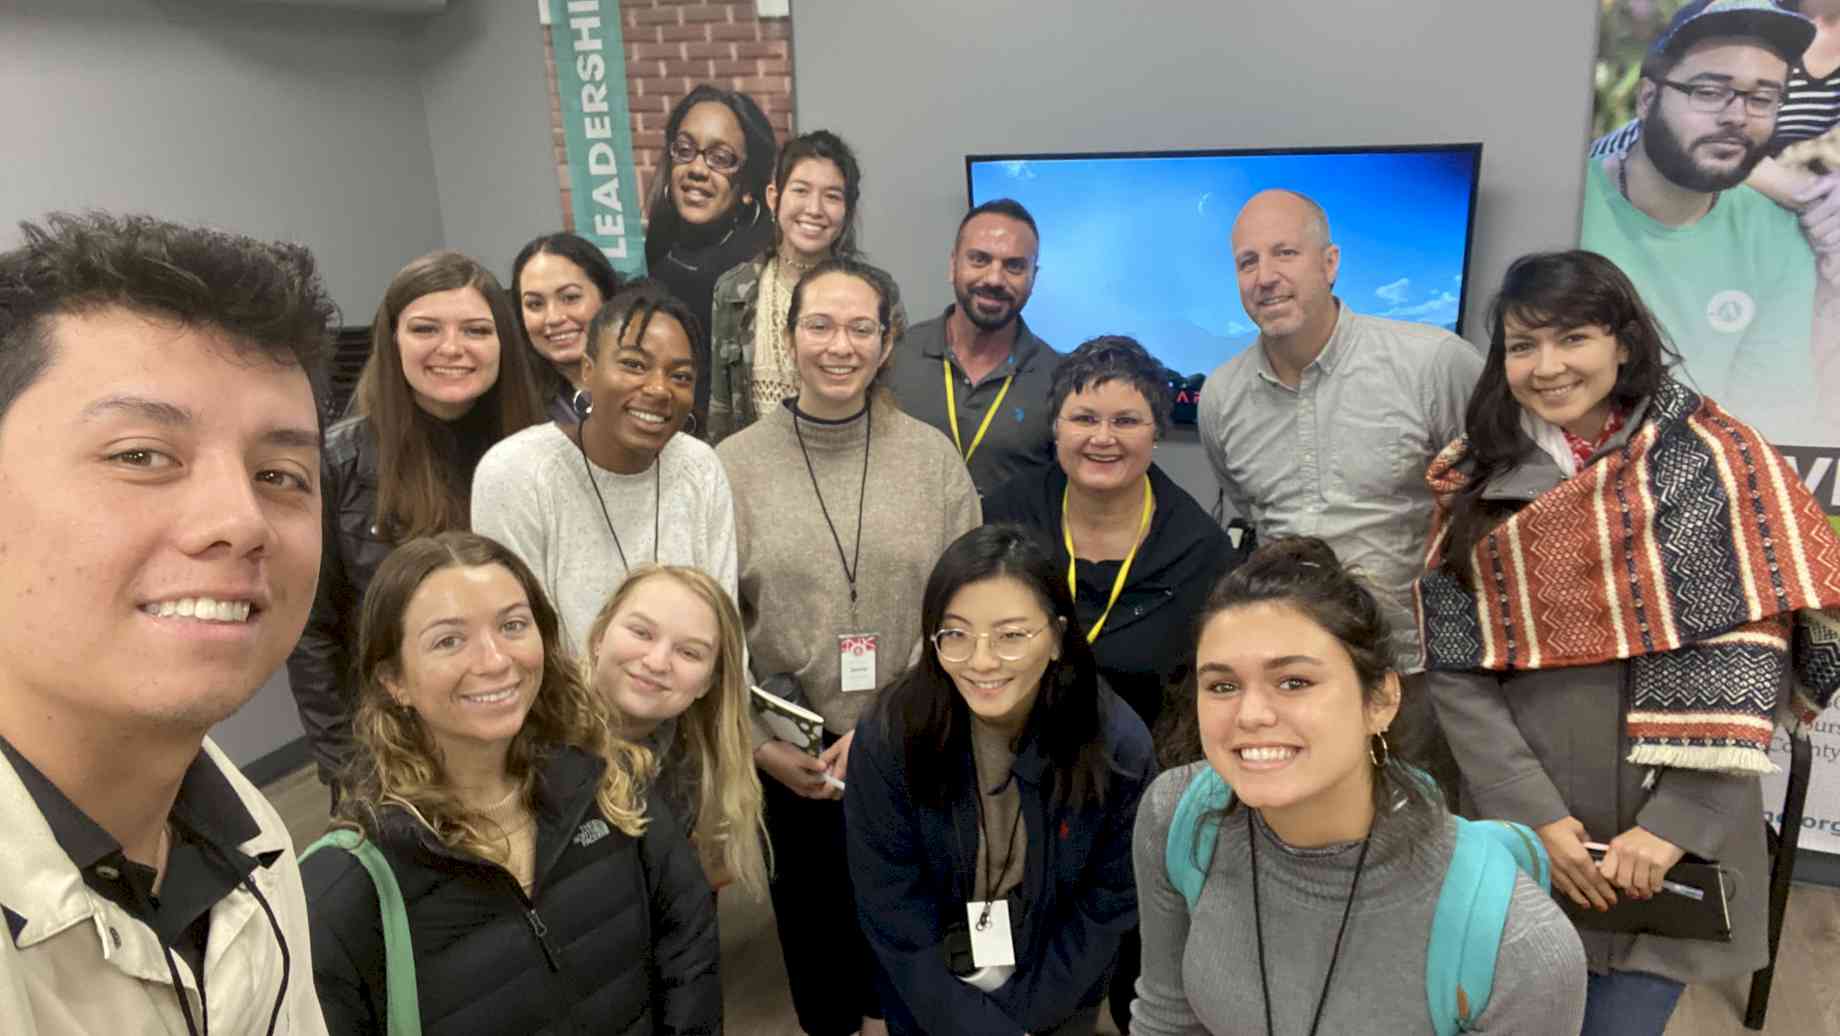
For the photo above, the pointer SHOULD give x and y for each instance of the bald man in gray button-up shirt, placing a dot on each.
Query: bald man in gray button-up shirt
(1324, 427)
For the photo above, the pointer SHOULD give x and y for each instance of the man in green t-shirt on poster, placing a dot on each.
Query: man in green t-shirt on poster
(1727, 272)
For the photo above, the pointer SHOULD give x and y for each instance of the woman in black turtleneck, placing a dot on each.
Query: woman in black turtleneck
(445, 380)
(707, 212)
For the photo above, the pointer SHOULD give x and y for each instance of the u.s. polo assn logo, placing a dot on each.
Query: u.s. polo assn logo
(1730, 312)
(591, 832)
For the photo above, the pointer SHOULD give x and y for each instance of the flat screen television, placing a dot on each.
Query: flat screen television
(1138, 243)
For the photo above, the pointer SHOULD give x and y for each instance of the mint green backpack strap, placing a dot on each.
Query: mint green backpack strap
(1189, 852)
(1472, 909)
(404, 1013)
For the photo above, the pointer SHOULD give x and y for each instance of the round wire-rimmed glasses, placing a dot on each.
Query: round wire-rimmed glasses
(958, 645)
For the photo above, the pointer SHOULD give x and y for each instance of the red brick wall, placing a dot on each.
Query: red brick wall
(672, 45)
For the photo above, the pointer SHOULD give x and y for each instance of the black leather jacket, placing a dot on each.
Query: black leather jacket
(320, 668)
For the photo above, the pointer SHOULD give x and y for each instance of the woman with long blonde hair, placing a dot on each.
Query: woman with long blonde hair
(542, 891)
(668, 656)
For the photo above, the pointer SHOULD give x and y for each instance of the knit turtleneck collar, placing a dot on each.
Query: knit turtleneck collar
(1410, 847)
(820, 434)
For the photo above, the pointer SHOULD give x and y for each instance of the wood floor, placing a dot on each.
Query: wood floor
(1806, 1000)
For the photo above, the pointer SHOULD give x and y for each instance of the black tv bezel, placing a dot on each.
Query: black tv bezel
(1474, 147)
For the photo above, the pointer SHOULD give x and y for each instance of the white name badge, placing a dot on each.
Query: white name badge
(856, 656)
(990, 944)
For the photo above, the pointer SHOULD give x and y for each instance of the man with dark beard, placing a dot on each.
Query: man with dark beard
(976, 372)
(1727, 272)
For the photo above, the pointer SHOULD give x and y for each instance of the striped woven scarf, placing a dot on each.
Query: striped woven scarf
(1694, 550)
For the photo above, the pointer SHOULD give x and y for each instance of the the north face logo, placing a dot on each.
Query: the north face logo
(591, 832)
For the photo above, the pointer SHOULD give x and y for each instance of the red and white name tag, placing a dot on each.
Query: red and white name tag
(856, 661)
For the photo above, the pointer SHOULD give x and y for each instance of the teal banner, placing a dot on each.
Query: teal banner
(591, 81)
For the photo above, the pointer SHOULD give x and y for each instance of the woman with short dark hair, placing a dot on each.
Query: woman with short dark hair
(585, 504)
(993, 790)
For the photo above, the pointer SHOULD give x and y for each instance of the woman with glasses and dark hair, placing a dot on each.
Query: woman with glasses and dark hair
(444, 382)
(1137, 552)
(842, 504)
(1624, 582)
(816, 185)
(708, 210)
(558, 282)
(586, 504)
(990, 805)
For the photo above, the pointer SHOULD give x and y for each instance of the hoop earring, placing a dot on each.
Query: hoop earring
(582, 403)
(1384, 756)
(690, 423)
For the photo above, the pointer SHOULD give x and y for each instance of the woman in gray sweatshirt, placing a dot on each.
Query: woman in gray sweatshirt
(1315, 910)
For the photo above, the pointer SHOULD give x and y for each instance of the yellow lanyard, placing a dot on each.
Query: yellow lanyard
(1124, 570)
(952, 411)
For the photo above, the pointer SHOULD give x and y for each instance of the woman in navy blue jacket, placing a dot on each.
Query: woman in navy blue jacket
(991, 798)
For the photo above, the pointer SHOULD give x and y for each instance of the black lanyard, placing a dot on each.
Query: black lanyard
(581, 443)
(990, 851)
(851, 566)
(1258, 926)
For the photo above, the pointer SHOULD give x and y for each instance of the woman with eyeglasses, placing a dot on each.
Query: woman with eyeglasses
(1136, 551)
(991, 804)
(813, 196)
(842, 504)
(585, 504)
(443, 384)
(708, 212)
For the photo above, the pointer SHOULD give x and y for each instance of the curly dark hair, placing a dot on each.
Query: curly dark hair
(267, 299)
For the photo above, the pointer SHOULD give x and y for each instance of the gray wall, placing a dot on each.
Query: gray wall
(371, 139)
(914, 87)
(488, 125)
(280, 123)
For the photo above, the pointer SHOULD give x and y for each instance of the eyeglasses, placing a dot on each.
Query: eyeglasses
(1711, 98)
(1011, 645)
(822, 329)
(1121, 424)
(719, 157)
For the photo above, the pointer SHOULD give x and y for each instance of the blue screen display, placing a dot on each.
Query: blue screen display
(1140, 244)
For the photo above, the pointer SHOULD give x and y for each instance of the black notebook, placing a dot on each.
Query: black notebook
(1696, 907)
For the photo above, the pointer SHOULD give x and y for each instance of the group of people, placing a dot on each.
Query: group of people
(1074, 742)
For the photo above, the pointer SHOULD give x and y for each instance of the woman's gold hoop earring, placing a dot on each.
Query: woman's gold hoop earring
(1382, 757)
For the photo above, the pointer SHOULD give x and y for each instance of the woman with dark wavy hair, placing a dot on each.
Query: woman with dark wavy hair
(1002, 774)
(1624, 581)
(543, 891)
(558, 282)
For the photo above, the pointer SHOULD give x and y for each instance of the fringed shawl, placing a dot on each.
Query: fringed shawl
(1693, 550)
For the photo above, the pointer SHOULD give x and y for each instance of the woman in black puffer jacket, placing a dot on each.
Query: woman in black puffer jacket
(543, 893)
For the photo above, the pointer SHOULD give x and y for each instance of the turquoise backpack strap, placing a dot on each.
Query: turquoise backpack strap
(1185, 856)
(404, 1013)
(1472, 909)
